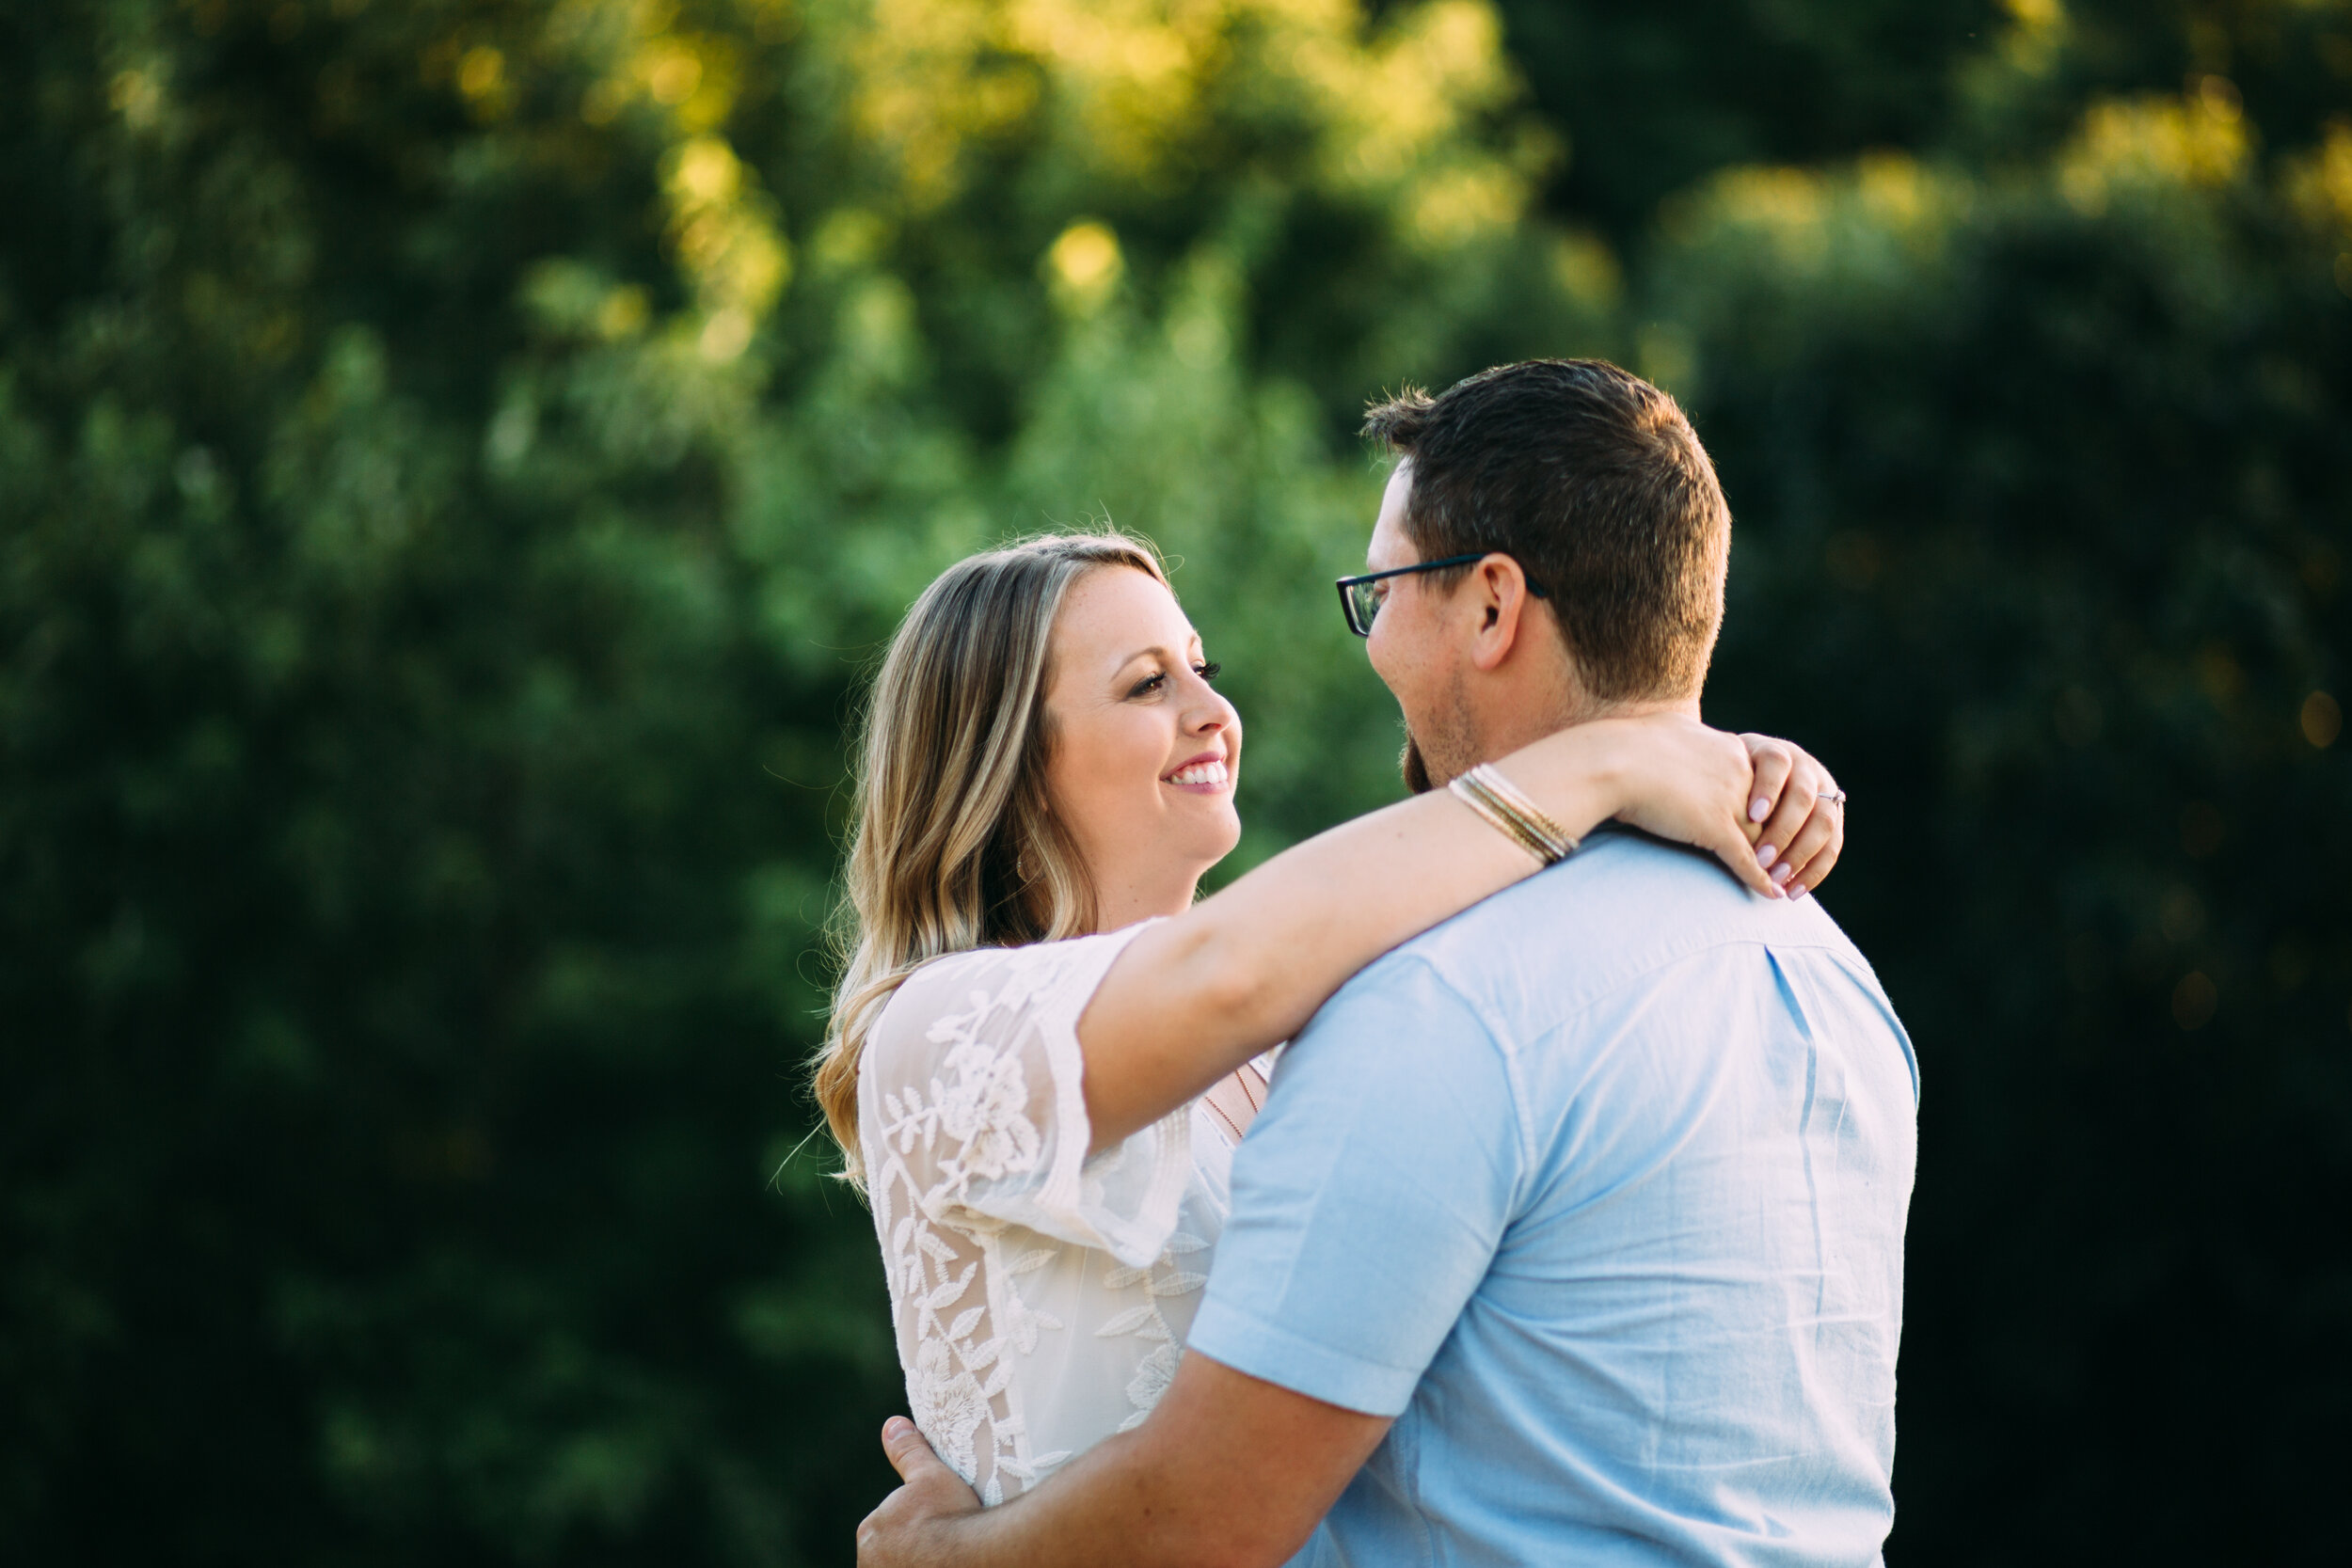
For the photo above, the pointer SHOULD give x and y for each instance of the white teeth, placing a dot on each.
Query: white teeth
(1199, 773)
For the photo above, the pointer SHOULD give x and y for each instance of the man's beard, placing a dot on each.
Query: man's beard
(1416, 771)
(1444, 744)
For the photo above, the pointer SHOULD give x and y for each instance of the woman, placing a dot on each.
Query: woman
(1043, 1050)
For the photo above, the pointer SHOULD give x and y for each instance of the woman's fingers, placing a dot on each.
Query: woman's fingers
(1731, 766)
(1770, 762)
(1736, 835)
(1689, 784)
(1801, 793)
(1734, 852)
(1752, 802)
(1814, 852)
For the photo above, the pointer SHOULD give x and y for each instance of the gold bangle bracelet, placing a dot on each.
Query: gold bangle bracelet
(1498, 822)
(1530, 818)
(1485, 791)
(1524, 810)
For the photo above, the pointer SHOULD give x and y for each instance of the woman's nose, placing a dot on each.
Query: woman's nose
(1213, 714)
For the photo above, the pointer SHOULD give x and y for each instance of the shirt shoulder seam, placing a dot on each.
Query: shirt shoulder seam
(1617, 987)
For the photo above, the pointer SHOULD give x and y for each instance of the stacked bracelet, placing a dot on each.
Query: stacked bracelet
(1485, 791)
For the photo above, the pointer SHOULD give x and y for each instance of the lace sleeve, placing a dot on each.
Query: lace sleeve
(974, 1082)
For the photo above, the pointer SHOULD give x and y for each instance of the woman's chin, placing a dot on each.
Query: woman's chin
(1205, 834)
(1226, 835)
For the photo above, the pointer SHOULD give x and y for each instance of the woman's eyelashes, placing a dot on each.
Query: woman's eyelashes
(1155, 681)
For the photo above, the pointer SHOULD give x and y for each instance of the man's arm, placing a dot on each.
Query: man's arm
(1368, 1201)
(1228, 1471)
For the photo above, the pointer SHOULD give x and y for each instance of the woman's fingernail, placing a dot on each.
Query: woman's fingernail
(896, 1425)
(1759, 809)
(1799, 891)
(1764, 853)
(1781, 875)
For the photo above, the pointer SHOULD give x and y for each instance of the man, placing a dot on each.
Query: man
(1572, 1230)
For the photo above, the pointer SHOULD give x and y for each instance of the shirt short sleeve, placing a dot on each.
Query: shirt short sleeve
(1370, 1197)
(973, 1079)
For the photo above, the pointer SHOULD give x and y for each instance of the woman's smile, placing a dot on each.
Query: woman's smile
(1205, 774)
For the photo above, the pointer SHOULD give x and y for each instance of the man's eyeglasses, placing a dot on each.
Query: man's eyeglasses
(1360, 601)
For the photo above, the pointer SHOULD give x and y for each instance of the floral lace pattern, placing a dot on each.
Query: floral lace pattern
(1149, 1323)
(1041, 1298)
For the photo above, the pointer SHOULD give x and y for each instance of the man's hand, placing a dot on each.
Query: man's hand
(906, 1530)
(1229, 1469)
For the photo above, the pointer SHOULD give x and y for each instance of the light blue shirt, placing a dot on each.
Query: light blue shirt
(1599, 1189)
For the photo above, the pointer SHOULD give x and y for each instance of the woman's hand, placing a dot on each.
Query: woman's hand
(1756, 803)
(1797, 815)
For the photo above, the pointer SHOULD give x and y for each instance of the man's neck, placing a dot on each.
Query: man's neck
(1507, 728)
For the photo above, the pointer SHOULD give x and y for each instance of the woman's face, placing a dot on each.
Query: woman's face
(1144, 753)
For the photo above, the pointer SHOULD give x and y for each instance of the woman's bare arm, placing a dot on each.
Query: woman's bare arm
(1195, 997)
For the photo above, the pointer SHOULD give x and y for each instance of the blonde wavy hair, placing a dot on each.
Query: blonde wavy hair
(954, 848)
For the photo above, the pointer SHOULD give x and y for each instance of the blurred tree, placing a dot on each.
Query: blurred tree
(454, 457)
(397, 914)
(1652, 98)
(2044, 479)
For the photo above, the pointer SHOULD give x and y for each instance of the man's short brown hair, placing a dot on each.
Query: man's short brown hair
(1595, 483)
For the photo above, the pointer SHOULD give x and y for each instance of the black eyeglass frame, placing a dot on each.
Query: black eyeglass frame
(1347, 598)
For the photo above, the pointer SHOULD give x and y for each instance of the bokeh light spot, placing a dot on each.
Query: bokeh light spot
(725, 335)
(1085, 260)
(623, 312)
(481, 71)
(2221, 99)
(673, 81)
(2322, 720)
(2194, 1001)
(136, 95)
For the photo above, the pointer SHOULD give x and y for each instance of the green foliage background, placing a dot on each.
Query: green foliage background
(456, 456)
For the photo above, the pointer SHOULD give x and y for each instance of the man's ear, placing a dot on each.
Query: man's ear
(1498, 598)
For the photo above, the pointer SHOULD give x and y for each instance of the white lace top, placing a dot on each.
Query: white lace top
(1041, 1298)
